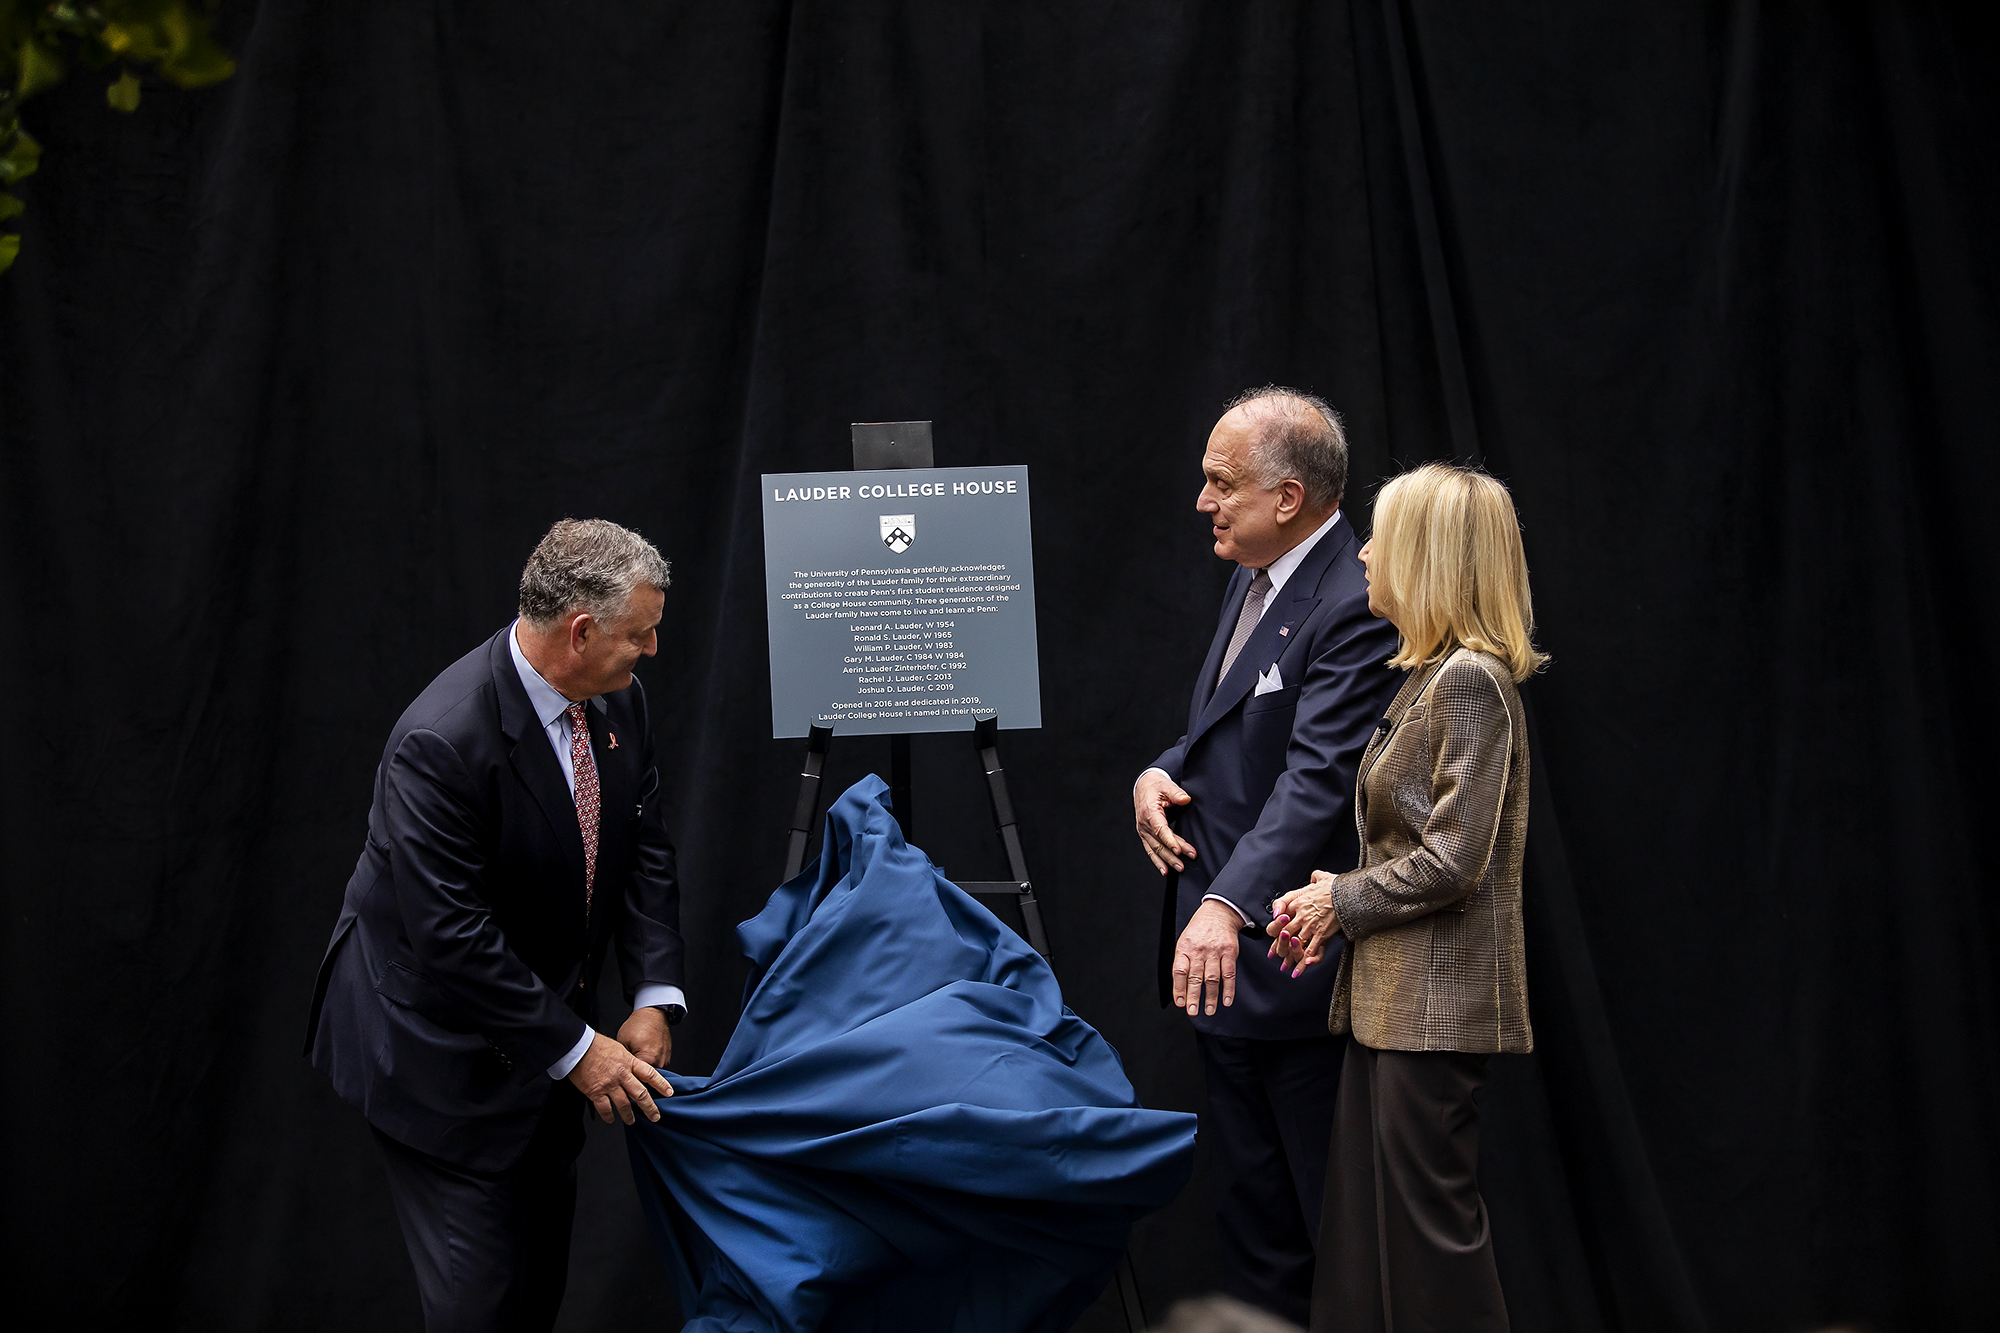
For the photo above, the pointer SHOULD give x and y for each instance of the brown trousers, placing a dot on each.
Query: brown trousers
(1403, 1241)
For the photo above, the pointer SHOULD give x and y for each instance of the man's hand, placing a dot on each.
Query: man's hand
(1205, 958)
(647, 1036)
(1154, 792)
(614, 1079)
(1303, 923)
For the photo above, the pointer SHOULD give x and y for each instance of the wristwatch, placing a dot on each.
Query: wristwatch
(674, 1014)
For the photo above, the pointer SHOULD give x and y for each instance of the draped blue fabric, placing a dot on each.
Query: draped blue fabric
(909, 1130)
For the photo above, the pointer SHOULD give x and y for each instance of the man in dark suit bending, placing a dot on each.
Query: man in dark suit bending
(515, 835)
(1254, 797)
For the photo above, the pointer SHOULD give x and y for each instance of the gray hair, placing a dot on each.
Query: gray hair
(1299, 437)
(589, 565)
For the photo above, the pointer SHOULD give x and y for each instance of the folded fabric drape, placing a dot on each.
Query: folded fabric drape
(909, 1130)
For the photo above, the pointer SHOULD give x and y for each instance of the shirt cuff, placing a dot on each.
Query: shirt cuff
(1218, 898)
(561, 1068)
(658, 995)
(1154, 769)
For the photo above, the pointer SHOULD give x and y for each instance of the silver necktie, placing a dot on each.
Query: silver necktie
(1253, 608)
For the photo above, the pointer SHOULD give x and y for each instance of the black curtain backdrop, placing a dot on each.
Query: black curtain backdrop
(297, 369)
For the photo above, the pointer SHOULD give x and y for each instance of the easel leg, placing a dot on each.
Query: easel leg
(810, 772)
(900, 803)
(1128, 1295)
(986, 740)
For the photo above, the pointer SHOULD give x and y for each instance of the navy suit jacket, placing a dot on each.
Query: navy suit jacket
(462, 967)
(1272, 775)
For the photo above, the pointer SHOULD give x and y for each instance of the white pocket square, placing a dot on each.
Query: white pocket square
(1269, 681)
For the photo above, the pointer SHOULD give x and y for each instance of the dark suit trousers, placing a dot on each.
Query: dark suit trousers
(1270, 1117)
(1407, 1246)
(491, 1248)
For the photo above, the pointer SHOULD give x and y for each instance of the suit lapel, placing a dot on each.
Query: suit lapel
(1263, 648)
(1204, 684)
(1275, 632)
(534, 760)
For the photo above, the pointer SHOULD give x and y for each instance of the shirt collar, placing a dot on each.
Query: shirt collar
(1283, 567)
(544, 698)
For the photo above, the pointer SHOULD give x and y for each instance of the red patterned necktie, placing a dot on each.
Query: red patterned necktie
(589, 801)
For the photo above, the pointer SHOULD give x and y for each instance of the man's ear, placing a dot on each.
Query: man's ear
(1291, 498)
(579, 630)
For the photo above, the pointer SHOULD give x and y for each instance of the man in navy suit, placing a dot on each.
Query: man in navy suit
(515, 834)
(1257, 795)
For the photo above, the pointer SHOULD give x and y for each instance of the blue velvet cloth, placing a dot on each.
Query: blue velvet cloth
(909, 1130)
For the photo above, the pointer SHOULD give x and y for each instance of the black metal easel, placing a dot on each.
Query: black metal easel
(986, 740)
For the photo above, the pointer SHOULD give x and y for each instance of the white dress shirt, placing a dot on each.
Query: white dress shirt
(552, 711)
(1279, 571)
(1282, 569)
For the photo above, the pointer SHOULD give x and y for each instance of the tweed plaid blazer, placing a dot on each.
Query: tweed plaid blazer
(1433, 914)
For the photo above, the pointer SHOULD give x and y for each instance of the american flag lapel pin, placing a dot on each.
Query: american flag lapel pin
(1283, 630)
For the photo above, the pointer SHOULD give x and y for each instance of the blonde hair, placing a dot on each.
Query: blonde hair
(1448, 562)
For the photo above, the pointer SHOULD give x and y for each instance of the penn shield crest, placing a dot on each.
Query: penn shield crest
(899, 532)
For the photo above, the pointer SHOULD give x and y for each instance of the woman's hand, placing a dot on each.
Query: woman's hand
(1303, 923)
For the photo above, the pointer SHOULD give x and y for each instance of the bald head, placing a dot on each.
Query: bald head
(1273, 473)
(1293, 436)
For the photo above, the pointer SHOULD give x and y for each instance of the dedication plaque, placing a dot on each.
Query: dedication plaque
(900, 601)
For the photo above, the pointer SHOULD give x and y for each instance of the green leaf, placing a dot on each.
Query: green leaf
(196, 60)
(66, 18)
(176, 28)
(124, 94)
(20, 158)
(9, 247)
(40, 68)
(204, 63)
(9, 206)
(136, 41)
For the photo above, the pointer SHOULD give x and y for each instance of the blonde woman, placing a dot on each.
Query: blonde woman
(1431, 984)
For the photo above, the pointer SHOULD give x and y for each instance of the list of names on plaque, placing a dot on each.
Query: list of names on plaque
(900, 601)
